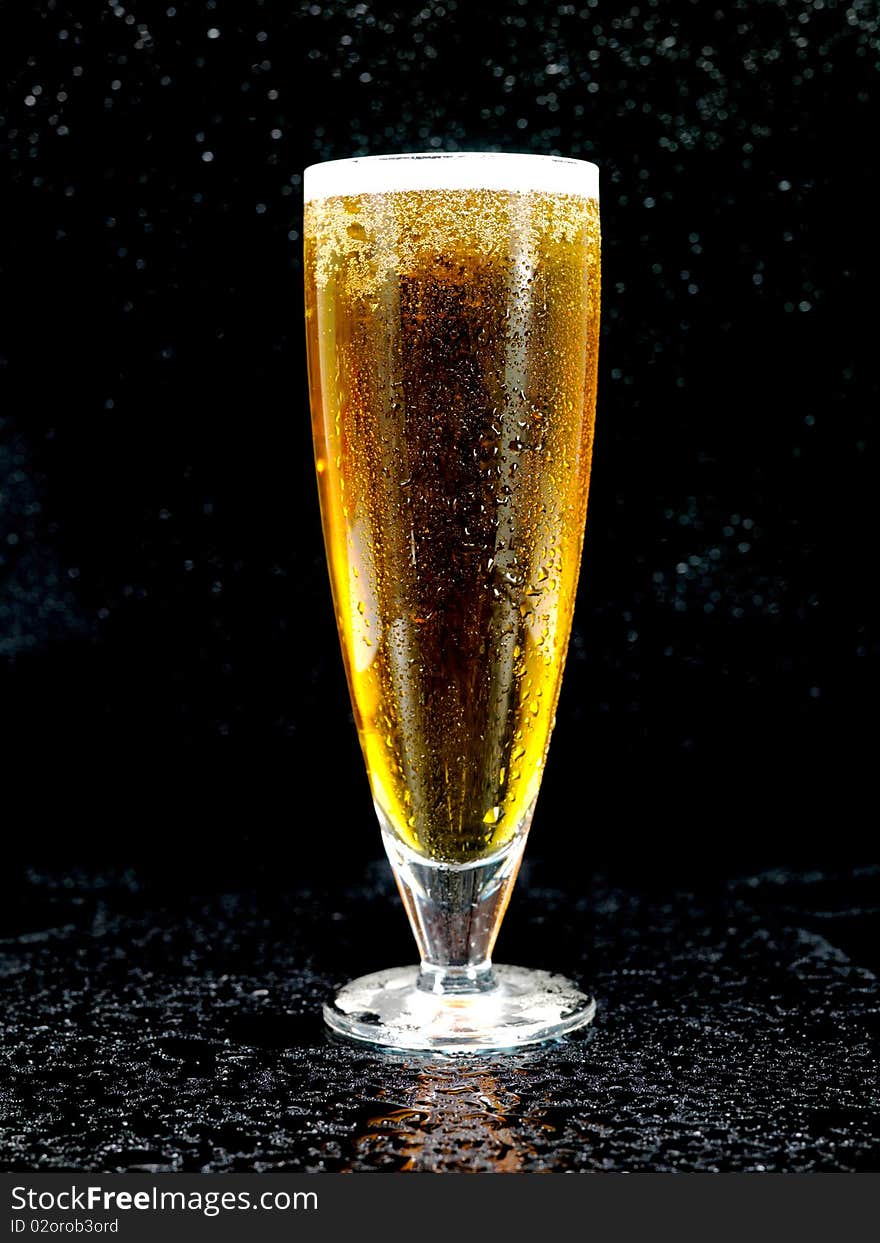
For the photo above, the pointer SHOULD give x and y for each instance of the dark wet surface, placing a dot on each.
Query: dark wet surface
(738, 1030)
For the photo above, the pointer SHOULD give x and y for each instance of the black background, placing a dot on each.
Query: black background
(172, 690)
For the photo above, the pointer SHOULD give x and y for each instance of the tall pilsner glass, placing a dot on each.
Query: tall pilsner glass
(452, 308)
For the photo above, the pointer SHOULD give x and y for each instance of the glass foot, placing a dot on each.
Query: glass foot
(522, 1007)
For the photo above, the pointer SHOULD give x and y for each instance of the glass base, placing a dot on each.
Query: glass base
(522, 1007)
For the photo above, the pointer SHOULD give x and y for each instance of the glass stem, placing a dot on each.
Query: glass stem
(455, 911)
(456, 981)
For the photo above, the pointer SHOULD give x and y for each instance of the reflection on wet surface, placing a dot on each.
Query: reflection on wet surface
(456, 1116)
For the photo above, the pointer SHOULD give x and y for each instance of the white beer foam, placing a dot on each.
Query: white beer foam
(456, 170)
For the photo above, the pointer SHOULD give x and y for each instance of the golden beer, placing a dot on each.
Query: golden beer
(452, 346)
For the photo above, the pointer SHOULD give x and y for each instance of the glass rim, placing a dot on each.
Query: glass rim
(451, 170)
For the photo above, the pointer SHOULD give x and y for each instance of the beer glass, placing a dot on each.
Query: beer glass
(452, 312)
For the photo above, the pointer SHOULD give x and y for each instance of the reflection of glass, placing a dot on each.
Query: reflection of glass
(455, 1118)
(452, 306)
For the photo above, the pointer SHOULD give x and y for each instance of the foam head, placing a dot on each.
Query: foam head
(457, 170)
